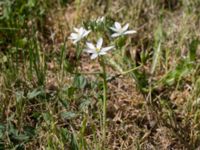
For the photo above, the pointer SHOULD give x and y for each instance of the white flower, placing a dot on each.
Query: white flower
(80, 33)
(97, 50)
(100, 19)
(119, 30)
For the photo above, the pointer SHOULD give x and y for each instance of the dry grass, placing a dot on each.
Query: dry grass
(64, 116)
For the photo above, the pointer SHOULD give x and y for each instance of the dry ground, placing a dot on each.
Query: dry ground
(165, 117)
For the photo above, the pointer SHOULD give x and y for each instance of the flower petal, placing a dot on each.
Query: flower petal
(86, 33)
(118, 25)
(105, 49)
(90, 46)
(102, 53)
(114, 29)
(99, 43)
(115, 35)
(130, 32)
(94, 55)
(81, 31)
(76, 29)
(91, 51)
(73, 36)
(125, 27)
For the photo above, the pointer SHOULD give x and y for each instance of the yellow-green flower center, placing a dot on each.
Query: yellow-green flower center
(98, 49)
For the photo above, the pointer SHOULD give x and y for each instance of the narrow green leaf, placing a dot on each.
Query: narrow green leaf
(193, 48)
(34, 93)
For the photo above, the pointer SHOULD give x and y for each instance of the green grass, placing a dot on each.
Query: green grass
(51, 97)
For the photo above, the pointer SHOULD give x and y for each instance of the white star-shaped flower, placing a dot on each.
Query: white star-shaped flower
(97, 50)
(119, 30)
(100, 20)
(80, 33)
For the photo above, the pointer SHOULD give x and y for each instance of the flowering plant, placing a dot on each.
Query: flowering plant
(98, 51)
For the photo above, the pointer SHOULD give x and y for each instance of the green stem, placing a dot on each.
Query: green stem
(78, 53)
(104, 106)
